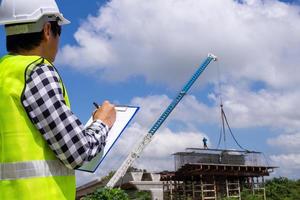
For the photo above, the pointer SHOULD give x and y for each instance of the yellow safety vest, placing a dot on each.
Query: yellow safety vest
(28, 167)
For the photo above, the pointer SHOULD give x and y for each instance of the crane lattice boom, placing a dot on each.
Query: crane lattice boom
(147, 139)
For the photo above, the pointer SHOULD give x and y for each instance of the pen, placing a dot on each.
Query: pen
(96, 105)
(121, 108)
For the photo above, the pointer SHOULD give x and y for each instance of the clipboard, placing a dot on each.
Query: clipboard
(124, 115)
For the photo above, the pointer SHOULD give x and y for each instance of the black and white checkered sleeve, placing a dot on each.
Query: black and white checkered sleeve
(45, 105)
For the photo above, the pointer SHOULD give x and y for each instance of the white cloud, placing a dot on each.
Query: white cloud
(167, 142)
(245, 108)
(288, 142)
(158, 154)
(189, 111)
(165, 40)
(289, 164)
(270, 108)
(289, 158)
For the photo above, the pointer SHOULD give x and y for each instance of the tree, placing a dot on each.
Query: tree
(276, 189)
(283, 189)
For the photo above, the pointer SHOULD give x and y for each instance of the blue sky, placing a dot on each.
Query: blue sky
(141, 53)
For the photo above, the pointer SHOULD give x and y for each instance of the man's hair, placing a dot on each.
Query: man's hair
(28, 41)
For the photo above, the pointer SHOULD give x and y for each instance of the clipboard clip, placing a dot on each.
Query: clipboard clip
(121, 108)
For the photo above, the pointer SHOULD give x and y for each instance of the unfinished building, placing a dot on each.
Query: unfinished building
(211, 174)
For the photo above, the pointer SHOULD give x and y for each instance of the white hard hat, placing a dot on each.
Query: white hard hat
(27, 11)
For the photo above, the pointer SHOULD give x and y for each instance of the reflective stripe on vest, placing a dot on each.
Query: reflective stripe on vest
(33, 169)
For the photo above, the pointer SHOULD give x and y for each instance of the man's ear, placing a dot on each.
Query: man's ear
(47, 31)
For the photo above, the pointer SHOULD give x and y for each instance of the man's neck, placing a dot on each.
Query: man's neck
(34, 52)
(41, 50)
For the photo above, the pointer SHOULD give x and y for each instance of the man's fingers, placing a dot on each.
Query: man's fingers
(106, 113)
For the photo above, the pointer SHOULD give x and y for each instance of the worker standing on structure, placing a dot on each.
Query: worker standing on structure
(41, 140)
(205, 143)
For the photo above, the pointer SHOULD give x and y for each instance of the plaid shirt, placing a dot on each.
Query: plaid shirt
(45, 105)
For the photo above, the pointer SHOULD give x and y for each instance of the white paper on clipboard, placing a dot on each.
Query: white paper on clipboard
(124, 115)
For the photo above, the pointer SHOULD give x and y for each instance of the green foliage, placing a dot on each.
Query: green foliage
(229, 198)
(107, 194)
(247, 196)
(276, 189)
(139, 195)
(283, 189)
(143, 195)
(118, 194)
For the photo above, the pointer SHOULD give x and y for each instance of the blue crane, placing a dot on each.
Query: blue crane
(147, 139)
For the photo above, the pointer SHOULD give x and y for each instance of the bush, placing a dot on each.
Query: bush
(141, 195)
(107, 194)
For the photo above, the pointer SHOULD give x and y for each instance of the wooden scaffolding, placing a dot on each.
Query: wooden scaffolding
(214, 181)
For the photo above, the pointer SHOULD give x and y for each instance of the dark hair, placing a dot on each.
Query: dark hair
(28, 41)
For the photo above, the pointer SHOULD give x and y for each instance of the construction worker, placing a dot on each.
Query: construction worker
(204, 143)
(41, 140)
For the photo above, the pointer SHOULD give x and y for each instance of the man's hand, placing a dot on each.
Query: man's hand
(106, 113)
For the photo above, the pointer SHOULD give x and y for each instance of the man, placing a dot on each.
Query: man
(204, 143)
(41, 140)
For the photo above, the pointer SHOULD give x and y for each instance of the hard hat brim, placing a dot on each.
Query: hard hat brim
(34, 27)
(62, 21)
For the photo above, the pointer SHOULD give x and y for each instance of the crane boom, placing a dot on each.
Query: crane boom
(147, 139)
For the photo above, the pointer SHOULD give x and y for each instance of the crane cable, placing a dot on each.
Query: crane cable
(223, 116)
(219, 95)
(223, 113)
(220, 138)
(222, 130)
